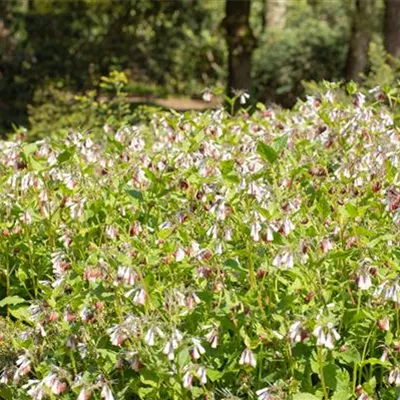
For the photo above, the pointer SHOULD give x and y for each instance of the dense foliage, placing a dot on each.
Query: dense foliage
(58, 110)
(203, 256)
(51, 47)
(172, 45)
(308, 50)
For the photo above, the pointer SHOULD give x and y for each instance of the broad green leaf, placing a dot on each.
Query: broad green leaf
(305, 396)
(37, 165)
(381, 238)
(144, 392)
(341, 395)
(389, 338)
(234, 264)
(280, 143)
(183, 357)
(149, 378)
(343, 381)
(372, 361)
(361, 231)
(197, 392)
(370, 386)
(350, 356)
(323, 207)
(351, 210)
(11, 301)
(267, 152)
(351, 88)
(108, 354)
(5, 393)
(21, 313)
(227, 168)
(314, 364)
(136, 194)
(340, 254)
(214, 375)
(29, 148)
(65, 156)
(150, 175)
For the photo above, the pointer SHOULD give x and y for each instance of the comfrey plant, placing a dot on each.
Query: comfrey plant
(205, 256)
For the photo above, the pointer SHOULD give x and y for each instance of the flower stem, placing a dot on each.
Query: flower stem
(321, 372)
(251, 265)
(118, 305)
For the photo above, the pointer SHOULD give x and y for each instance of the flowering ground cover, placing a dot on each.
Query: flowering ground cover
(205, 256)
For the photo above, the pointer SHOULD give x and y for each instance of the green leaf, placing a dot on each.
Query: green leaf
(350, 356)
(340, 254)
(149, 378)
(183, 357)
(352, 210)
(381, 238)
(325, 117)
(214, 375)
(136, 194)
(267, 152)
(234, 264)
(29, 148)
(144, 392)
(314, 365)
(343, 381)
(323, 207)
(108, 354)
(227, 168)
(5, 393)
(372, 361)
(11, 301)
(21, 275)
(389, 338)
(197, 392)
(330, 372)
(164, 233)
(351, 88)
(370, 386)
(341, 395)
(21, 313)
(37, 166)
(280, 143)
(361, 231)
(64, 156)
(150, 175)
(305, 396)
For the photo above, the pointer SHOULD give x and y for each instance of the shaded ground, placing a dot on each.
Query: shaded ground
(177, 103)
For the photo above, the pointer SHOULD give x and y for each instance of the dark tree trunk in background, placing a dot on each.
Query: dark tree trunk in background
(3, 10)
(392, 27)
(241, 43)
(313, 3)
(275, 13)
(357, 56)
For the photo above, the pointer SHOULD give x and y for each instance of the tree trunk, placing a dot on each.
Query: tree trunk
(4, 8)
(392, 27)
(313, 3)
(241, 43)
(275, 13)
(357, 56)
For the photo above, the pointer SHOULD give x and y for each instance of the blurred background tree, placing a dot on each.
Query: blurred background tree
(362, 23)
(53, 50)
(241, 43)
(274, 13)
(392, 27)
